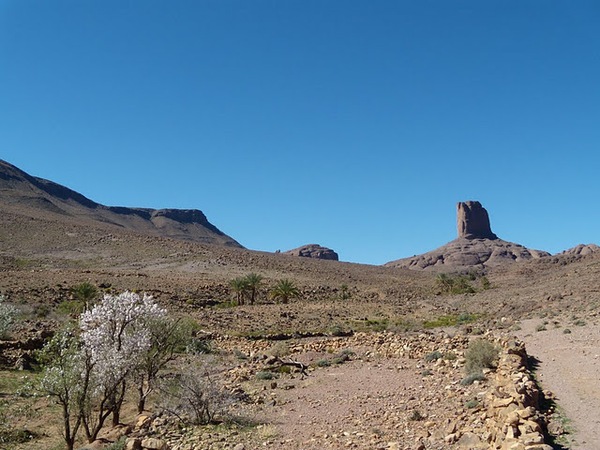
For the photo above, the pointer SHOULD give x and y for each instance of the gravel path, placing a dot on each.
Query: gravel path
(569, 366)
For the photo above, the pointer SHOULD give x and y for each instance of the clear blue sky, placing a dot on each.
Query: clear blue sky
(357, 125)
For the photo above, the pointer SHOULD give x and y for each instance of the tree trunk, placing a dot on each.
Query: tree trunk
(116, 405)
(141, 399)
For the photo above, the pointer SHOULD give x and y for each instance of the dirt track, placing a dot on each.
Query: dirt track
(569, 366)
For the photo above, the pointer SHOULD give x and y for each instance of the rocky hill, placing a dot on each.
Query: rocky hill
(26, 195)
(582, 250)
(314, 251)
(476, 247)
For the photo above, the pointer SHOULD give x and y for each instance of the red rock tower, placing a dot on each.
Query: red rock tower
(472, 221)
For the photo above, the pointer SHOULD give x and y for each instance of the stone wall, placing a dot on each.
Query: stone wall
(511, 419)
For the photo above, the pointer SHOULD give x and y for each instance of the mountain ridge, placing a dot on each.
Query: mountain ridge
(26, 192)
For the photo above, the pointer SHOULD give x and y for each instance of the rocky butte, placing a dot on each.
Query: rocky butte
(314, 251)
(475, 247)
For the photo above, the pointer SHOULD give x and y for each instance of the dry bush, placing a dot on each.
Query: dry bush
(481, 354)
(193, 394)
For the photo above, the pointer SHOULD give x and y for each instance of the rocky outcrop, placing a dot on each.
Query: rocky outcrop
(472, 221)
(476, 247)
(463, 254)
(582, 250)
(314, 251)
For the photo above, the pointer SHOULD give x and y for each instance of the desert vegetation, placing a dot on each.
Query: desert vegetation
(8, 314)
(468, 283)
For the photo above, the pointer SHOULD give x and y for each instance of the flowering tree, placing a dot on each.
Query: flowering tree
(66, 380)
(115, 336)
(87, 373)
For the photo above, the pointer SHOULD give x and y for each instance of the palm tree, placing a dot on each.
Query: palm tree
(85, 293)
(239, 286)
(284, 290)
(253, 282)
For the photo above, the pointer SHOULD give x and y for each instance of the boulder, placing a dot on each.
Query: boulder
(154, 444)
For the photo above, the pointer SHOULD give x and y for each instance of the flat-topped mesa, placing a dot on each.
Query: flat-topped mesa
(472, 221)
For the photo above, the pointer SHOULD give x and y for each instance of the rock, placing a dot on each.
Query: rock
(154, 444)
(582, 250)
(239, 446)
(471, 441)
(114, 433)
(314, 251)
(472, 221)
(475, 247)
(133, 444)
(142, 421)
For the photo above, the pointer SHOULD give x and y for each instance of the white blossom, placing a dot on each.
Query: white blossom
(115, 335)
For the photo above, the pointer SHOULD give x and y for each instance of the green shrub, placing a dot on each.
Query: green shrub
(265, 375)
(239, 354)
(279, 350)
(15, 436)
(347, 352)
(285, 369)
(433, 356)
(71, 307)
(416, 416)
(481, 354)
(451, 320)
(323, 363)
(471, 378)
(85, 292)
(485, 283)
(566, 331)
(199, 346)
(450, 356)
(337, 330)
(472, 404)
(461, 283)
(344, 292)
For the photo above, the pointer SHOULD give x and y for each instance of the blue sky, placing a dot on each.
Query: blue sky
(354, 124)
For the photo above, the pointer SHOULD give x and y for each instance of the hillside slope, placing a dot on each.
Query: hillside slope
(21, 193)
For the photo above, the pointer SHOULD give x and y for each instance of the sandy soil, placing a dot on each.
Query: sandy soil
(569, 367)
